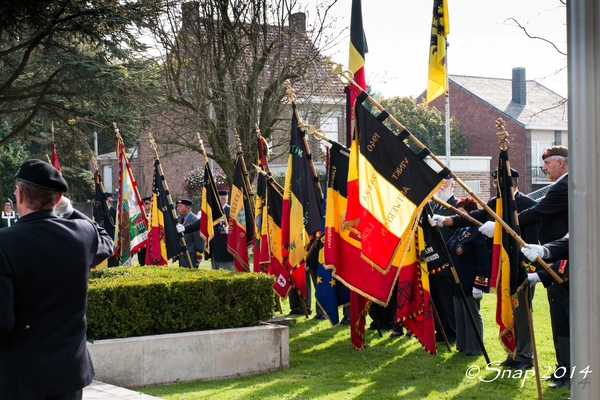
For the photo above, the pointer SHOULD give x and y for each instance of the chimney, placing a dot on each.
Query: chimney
(298, 22)
(519, 86)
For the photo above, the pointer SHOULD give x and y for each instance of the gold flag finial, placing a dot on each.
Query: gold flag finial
(502, 135)
(95, 164)
(289, 90)
(117, 133)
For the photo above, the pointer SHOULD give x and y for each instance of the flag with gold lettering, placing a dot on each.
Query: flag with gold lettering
(261, 256)
(440, 28)
(241, 219)
(212, 211)
(302, 200)
(394, 184)
(508, 271)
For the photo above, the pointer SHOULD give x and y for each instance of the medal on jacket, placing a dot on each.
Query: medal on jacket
(459, 249)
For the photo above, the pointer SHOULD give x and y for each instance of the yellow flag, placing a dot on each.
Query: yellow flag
(440, 28)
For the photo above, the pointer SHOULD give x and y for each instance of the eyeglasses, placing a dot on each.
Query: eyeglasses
(147, 203)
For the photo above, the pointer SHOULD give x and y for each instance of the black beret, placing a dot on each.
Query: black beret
(149, 198)
(223, 193)
(107, 195)
(555, 151)
(43, 175)
(513, 172)
(186, 202)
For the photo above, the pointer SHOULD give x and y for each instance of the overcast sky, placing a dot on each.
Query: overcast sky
(482, 41)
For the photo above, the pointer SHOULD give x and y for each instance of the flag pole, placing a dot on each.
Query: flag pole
(456, 211)
(259, 136)
(166, 187)
(347, 78)
(269, 178)
(247, 186)
(463, 297)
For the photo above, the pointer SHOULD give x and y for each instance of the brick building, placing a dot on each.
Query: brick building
(535, 118)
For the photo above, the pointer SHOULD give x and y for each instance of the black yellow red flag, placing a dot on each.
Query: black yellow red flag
(272, 240)
(241, 219)
(508, 271)
(212, 211)
(302, 200)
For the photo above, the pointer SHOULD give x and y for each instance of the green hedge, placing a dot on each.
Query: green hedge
(139, 301)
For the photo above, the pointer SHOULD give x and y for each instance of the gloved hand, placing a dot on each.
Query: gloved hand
(533, 251)
(477, 293)
(180, 228)
(63, 208)
(488, 229)
(436, 219)
(533, 278)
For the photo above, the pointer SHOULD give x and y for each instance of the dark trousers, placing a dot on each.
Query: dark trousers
(294, 297)
(76, 395)
(441, 294)
(522, 333)
(559, 316)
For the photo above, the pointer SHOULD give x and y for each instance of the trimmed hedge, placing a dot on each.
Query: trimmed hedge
(139, 301)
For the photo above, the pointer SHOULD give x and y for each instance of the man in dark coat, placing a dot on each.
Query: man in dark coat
(44, 267)
(524, 355)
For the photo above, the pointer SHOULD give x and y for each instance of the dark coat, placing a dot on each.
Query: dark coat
(218, 244)
(193, 241)
(551, 213)
(44, 269)
(469, 253)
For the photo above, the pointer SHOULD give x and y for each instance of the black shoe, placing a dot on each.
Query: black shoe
(319, 316)
(345, 321)
(564, 382)
(294, 312)
(509, 362)
(520, 365)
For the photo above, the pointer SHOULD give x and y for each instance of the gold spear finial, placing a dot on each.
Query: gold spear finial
(52, 129)
(256, 127)
(95, 164)
(117, 133)
(289, 90)
(502, 135)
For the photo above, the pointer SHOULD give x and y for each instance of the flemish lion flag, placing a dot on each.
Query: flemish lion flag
(164, 242)
(241, 219)
(302, 201)
(394, 184)
(440, 28)
(508, 273)
(212, 212)
(132, 226)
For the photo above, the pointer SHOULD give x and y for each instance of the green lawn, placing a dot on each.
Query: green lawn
(324, 365)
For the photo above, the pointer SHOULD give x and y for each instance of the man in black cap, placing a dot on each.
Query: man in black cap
(524, 356)
(113, 261)
(44, 267)
(147, 202)
(193, 240)
(9, 216)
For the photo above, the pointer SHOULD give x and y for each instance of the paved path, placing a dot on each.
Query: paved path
(104, 391)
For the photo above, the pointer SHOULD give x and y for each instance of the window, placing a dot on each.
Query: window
(330, 125)
(107, 178)
(537, 149)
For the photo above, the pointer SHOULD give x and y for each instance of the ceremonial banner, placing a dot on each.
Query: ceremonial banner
(132, 227)
(508, 271)
(55, 162)
(440, 28)
(261, 254)
(241, 219)
(394, 184)
(358, 49)
(414, 309)
(302, 202)
(274, 206)
(212, 212)
(164, 242)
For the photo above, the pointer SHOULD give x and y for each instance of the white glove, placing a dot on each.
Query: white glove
(180, 228)
(64, 208)
(488, 229)
(533, 278)
(436, 219)
(477, 293)
(533, 251)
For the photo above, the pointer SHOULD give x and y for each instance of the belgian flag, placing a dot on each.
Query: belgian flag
(272, 240)
(391, 186)
(212, 212)
(302, 200)
(164, 242)
(508, 271)
(241, 219)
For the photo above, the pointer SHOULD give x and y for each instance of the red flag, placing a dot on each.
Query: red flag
(55, 162)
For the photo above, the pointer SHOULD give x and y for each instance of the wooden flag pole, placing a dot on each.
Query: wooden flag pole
(347, 78)
(166, 187)
(245, 174)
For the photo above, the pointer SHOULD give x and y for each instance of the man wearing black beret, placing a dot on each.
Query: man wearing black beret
(44, 266)
(193, 241)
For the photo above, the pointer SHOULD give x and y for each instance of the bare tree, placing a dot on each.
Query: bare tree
(224, 65)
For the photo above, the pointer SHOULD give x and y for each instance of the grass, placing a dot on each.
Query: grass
(324, 365)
